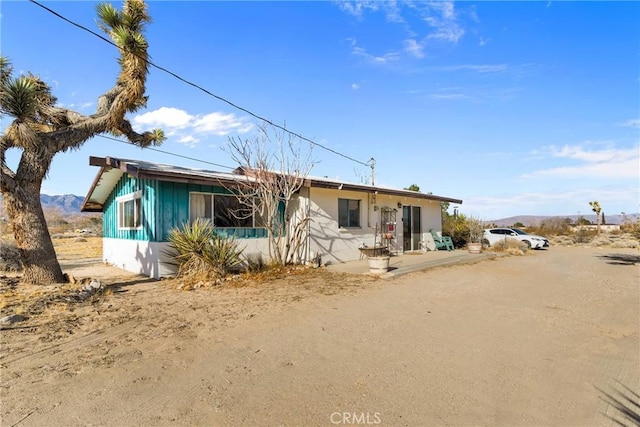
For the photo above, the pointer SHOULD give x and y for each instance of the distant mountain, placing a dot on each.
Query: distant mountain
(537, 219)
(66, 204)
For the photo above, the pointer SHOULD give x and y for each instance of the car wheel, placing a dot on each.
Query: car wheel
(528, 244)
(485, 243)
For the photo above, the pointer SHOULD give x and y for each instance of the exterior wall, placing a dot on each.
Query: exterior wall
(605, 228)
(337, 244)
(150, 258)
(126, 186)
(173, 210)
(165, 205)
(136, 256)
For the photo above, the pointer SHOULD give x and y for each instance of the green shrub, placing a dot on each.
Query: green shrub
(197, 250)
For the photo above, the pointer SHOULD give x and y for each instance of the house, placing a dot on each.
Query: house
(142, 201)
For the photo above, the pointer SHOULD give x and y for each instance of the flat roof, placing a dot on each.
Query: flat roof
(112, 169)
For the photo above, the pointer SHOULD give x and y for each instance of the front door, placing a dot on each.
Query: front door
(411, 228)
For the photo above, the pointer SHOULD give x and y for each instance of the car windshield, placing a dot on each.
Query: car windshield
(519, 231)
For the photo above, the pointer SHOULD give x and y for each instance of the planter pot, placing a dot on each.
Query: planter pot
(378, 264)
(474, 248)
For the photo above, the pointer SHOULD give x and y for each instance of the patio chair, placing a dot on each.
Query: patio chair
(442, 242)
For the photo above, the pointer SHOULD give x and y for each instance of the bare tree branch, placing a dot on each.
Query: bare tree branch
(274, 167)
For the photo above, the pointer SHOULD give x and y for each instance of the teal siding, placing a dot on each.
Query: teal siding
(173, 210)
(128, 185)
(165, 205)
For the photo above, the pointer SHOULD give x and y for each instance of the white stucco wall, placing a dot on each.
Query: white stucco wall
(337, 244)
(150, 259)
(332, 243)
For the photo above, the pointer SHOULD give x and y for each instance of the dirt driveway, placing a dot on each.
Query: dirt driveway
(540, 339)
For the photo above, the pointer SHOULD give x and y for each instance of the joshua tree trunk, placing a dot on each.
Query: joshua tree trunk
(29, 226)
(41, 130)
(32, 237)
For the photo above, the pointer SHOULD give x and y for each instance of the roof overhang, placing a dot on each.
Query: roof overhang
(112, 169)
(339, 185)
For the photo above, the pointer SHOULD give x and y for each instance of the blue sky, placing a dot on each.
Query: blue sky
(514, 107)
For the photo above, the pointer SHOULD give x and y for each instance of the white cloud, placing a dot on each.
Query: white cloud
(608, 163)
(486, 68)
(373, 59)
(357, 8)
(164, 117)
(355, 86)
(440, 17)
(414, 48)
(187, 128)
(449, 96)
(451, 93)
(189, 141)
(634, 123)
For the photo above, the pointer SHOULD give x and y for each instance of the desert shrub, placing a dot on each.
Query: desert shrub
(254, 262)
(601, 240)
(555, 226)
(198, 250)
(9, 257)
(512, 246)
(631, 243)
(631, 227)
(461, 228)
(562, 241)
(584, 236)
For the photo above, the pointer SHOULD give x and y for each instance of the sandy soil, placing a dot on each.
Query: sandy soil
(549, 338)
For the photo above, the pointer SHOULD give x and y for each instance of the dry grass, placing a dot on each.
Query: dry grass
(35, 300)
(78, 247)
(510, 246)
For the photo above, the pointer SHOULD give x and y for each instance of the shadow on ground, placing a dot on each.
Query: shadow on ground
(621, 259)
(626, 404)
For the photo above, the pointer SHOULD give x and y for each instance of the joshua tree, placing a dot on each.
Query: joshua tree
(595, 206)
(41, 129)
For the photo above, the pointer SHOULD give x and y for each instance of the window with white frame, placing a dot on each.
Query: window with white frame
(130, 211)
(224, 210)
(348, 213)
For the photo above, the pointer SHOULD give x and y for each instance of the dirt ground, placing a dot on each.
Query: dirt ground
(549, 338)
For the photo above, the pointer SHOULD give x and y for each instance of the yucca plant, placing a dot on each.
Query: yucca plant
(198, 249)
(226, 253)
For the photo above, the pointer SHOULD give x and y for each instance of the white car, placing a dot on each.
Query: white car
(494, 235)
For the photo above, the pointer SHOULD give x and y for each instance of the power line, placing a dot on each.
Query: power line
(166, 152)
(171, 73)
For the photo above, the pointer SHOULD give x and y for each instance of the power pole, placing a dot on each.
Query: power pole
(373, 165)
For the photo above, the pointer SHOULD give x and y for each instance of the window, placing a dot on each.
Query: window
(223, 210)
(130, 211)
(348, 213)
(229, 212)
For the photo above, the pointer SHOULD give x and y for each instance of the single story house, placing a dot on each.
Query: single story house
(142, 201)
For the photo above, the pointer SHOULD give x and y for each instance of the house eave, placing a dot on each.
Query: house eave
(344, 186)
(112, 169)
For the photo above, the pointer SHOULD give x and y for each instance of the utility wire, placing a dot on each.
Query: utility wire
(166, 152)
(297, 135)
